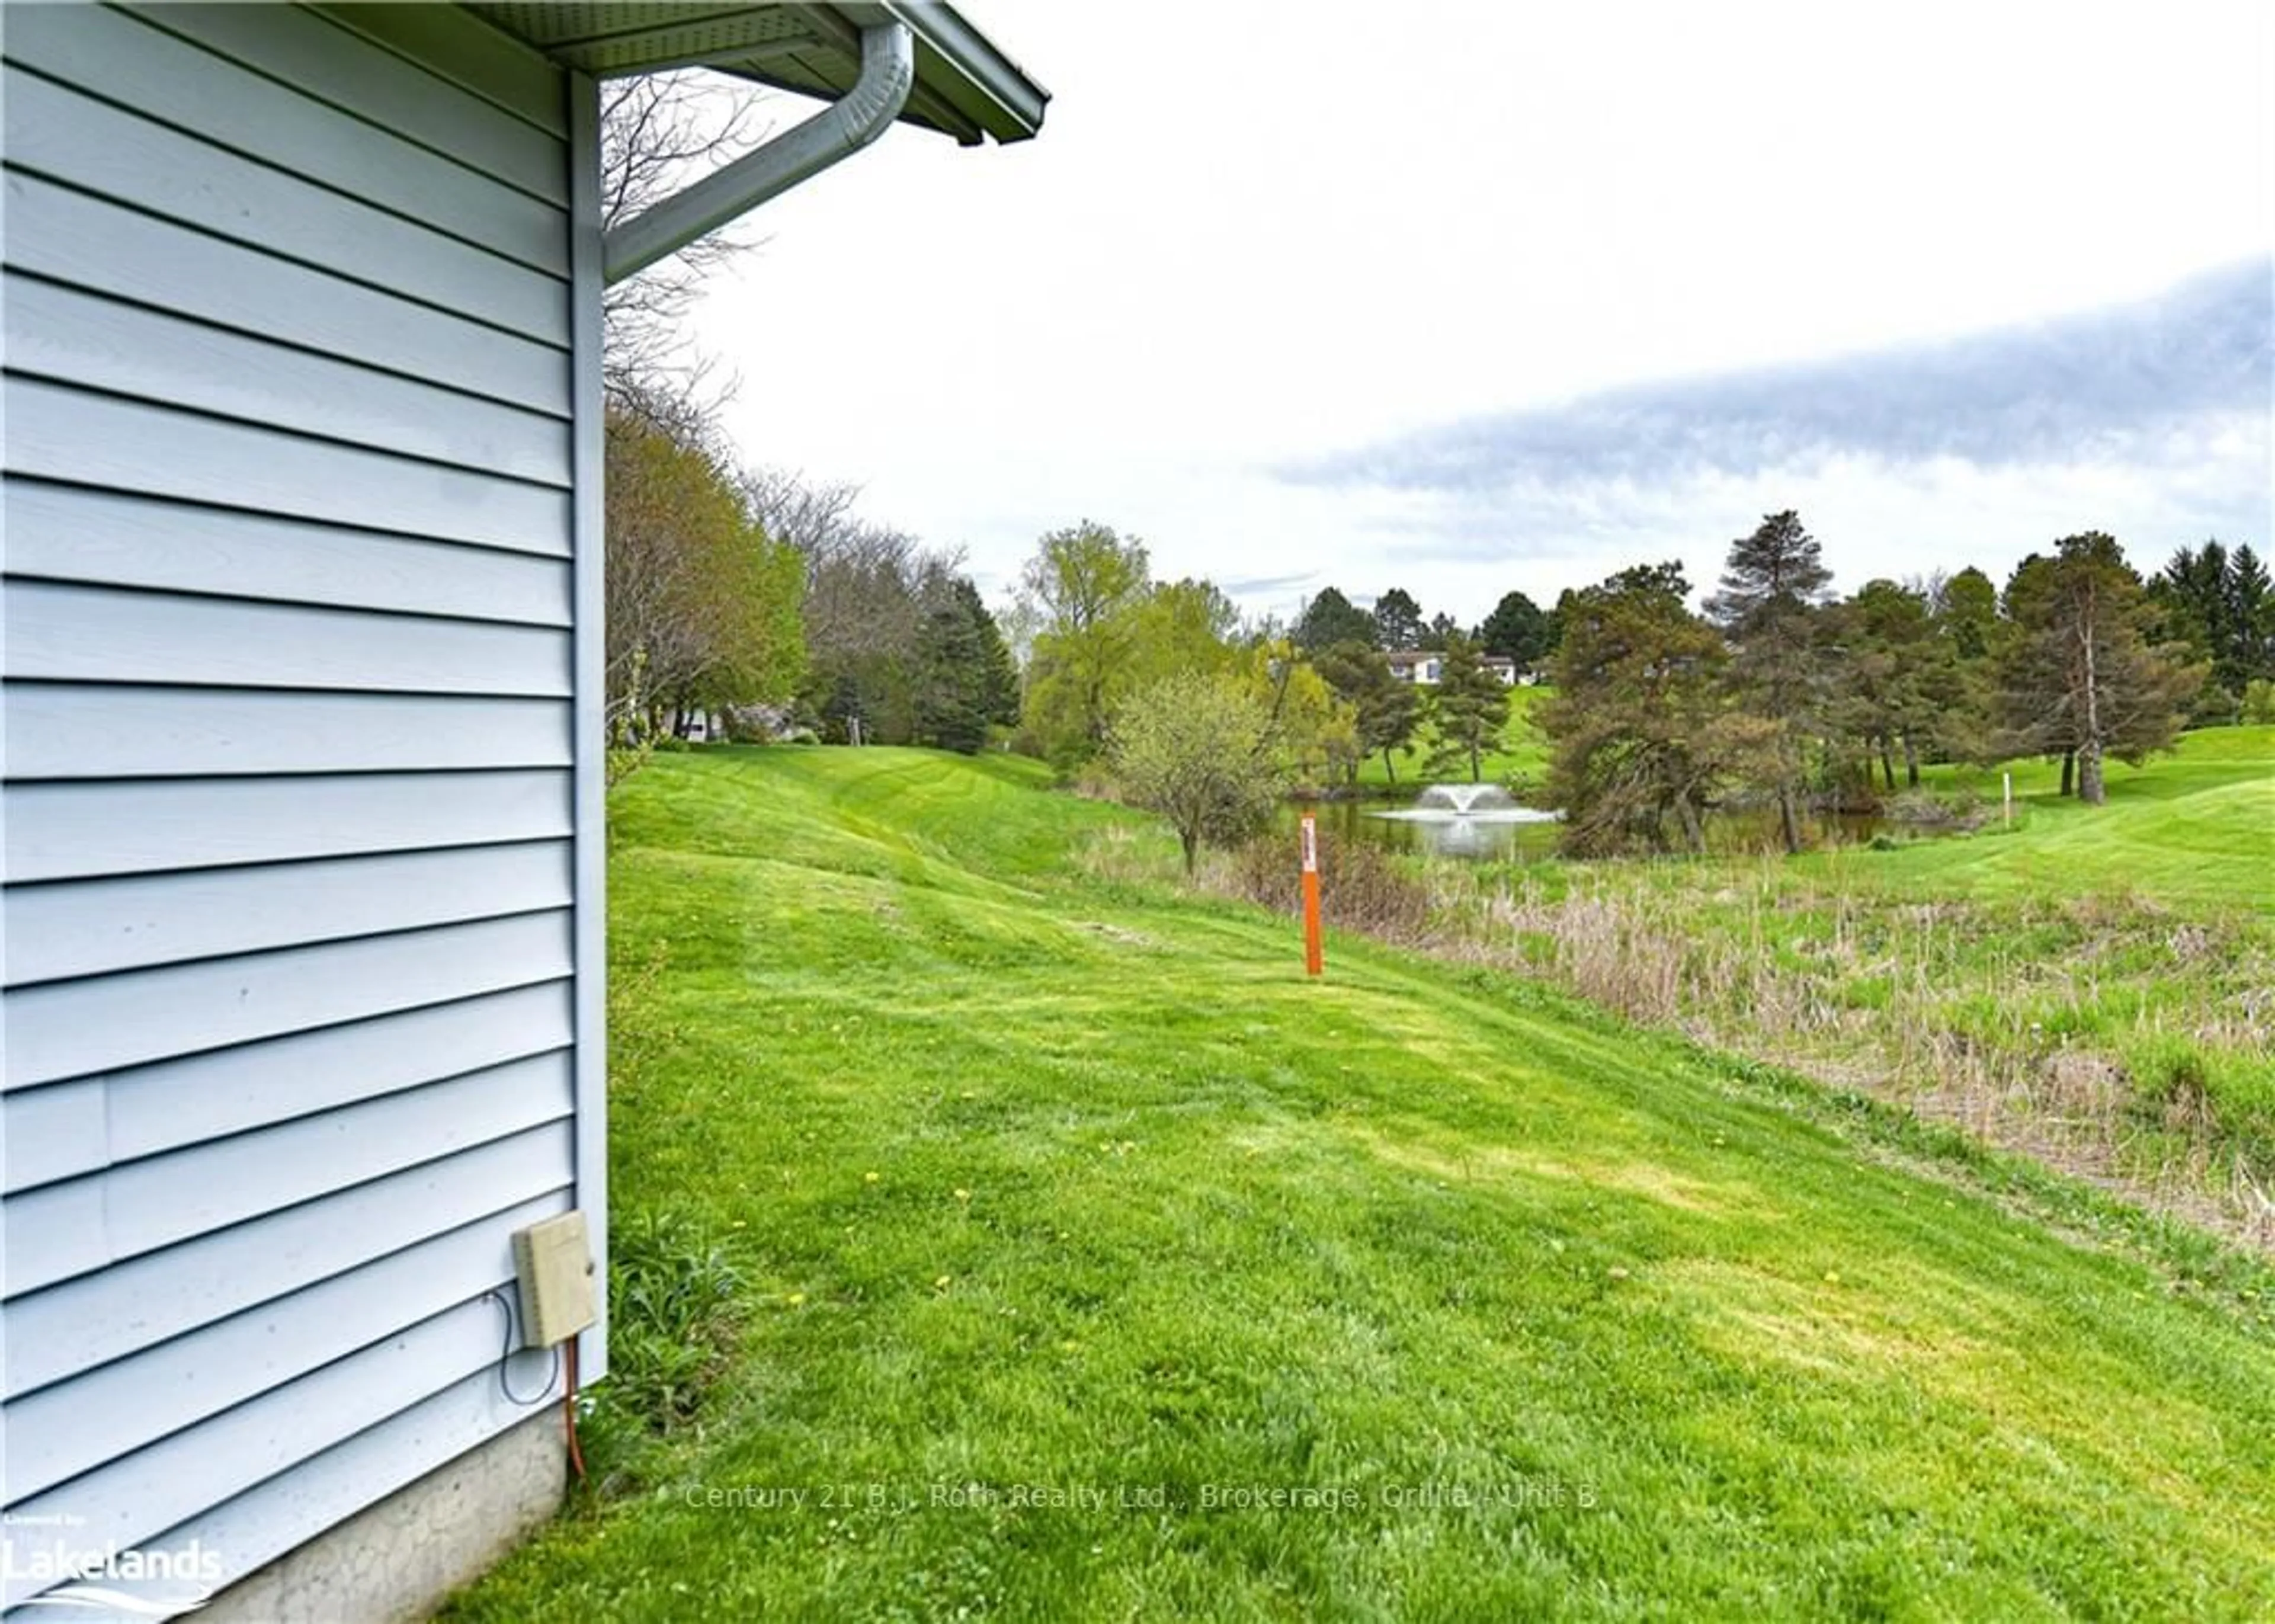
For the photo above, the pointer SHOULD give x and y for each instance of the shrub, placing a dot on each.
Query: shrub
(673, 1315)
(2259, 702)
(1362, 887)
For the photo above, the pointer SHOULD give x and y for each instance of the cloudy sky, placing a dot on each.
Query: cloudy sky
(1464, 298)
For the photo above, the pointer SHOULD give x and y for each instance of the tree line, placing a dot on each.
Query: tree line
(1777, 693)
(752, 598)
(739, 595)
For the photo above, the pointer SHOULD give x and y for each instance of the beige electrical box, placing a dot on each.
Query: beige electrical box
(552, 1261)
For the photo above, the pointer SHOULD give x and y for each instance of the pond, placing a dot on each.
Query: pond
(1476, 822)
(1496, 828)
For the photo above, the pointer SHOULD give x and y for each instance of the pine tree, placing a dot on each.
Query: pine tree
(2079, 676)
(1398, 622)
(1389, 708)
(1469, 706)
(1774, 585)
(964, 680)
(1330, 618)
(1900, 679)
(1642, 731)
(1516, 629)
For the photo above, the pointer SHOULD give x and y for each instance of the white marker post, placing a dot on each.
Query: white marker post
(1313, 959)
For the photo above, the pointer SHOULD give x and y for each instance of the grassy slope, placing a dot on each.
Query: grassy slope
(2196, 827)
(1524, 753)
(1033, 1183)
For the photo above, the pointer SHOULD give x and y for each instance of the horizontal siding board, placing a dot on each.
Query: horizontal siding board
(58, 433)
(88, 1322)
(68, 831)
(50, 1134)
(87, 340)
(95, 634)
(307, 51)
(290, 1041)
(65, 1431)
(88, 1123)
(91, 927)
(180, 1475)
(71, 1028)
(71, 730)
(70, 236)
(469, 52)
(67, 137)
(162, 1200)
(160, 77)
(254, 1528)
(67, 533)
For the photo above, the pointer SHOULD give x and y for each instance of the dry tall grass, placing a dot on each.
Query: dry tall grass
(2102, 1037)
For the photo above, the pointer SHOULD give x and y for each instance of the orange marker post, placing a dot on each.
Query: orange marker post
(1314, 962)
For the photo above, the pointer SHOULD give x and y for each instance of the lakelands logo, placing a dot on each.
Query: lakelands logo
(118, 1579)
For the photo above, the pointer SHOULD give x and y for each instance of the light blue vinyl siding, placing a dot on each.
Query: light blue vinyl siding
(301, 837)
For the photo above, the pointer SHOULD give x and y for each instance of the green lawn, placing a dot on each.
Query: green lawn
(1036, 1186)
(2194, 827)
(1522, 755)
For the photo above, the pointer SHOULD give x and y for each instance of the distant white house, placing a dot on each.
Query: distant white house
(1421, 666)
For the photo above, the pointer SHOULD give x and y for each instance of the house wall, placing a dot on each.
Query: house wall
(302, 839)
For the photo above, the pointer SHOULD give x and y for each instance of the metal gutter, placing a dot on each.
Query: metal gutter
(994, 94)
(844, 127)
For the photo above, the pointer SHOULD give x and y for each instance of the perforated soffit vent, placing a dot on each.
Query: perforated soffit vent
(615, 39)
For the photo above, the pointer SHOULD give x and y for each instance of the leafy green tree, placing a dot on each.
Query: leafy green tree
(2259, 702)
(2080, 678)
(1643, 735)
(1468, 708)
(1442, 627)
(1398, 622)
(1386, 709)
(1330, 618)
(1774, 585)
(1516, 629)
(1078, 592)
(703, 605)
(1199, 748)
(1314, 733)
(1185, 625)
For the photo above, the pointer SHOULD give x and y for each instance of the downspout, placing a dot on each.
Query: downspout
(888, 63)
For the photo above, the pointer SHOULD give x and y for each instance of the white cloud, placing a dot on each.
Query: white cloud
(1254, 231)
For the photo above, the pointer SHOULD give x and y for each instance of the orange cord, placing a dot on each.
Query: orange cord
(568, 1413)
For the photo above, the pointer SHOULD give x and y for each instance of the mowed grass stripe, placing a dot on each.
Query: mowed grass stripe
(1034, 1181)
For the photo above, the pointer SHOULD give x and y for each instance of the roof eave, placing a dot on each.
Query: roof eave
(996, 95)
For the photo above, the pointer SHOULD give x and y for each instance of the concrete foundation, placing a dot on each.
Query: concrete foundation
(394, 1562)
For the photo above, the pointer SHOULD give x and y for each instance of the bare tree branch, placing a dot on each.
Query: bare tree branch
(659, 133)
